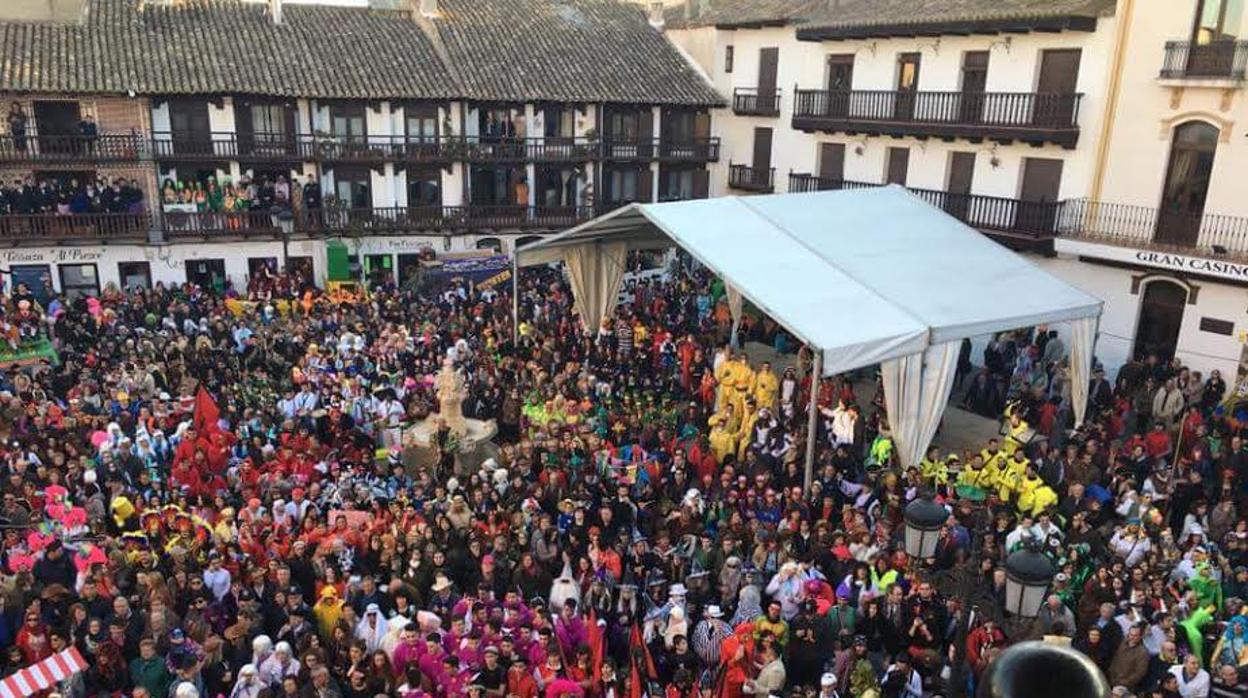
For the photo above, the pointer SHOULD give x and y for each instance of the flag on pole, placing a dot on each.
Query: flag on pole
(641, 665)
(42, 675)
(206, 413)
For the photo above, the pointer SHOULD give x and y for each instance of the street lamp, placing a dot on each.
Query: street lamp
(1027, 577)
(924, 519)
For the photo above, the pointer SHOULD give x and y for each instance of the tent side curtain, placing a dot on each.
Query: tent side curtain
(596, 271)
(916, 390)
(1082, 343)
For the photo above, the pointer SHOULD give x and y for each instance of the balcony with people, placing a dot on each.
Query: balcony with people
(59, 131)
(66, 207)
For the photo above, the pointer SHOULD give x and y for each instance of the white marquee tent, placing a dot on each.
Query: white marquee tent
(862, 277)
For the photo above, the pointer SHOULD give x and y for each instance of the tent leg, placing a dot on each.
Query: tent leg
(812, 420)
(515, 297)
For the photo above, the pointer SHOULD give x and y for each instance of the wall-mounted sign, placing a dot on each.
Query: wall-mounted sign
(1204, 266)
(1216, 326)
(73, 255)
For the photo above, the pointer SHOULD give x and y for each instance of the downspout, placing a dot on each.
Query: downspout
(1111, 102)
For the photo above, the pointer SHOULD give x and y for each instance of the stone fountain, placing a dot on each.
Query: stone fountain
(468, 440)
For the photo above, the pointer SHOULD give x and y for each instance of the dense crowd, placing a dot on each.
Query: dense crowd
(71, 195)
(247, 194)
(211, 497)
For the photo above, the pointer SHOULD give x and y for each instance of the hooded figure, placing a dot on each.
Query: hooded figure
(564, 588)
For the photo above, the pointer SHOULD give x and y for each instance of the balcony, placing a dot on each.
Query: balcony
(1032, 117)
(1013, 222)
(548, 149)
(746, 101)
(287, 148)
(754, 179)
(49, 228)
(1225, 237)
(1218, 60)
(106, 147)
(690, 150)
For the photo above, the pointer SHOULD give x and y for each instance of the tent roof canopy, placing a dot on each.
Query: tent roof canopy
(864, 275)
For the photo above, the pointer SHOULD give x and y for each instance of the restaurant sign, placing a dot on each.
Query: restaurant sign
(1204, 266)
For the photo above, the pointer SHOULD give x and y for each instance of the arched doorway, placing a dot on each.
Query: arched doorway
(527, 240)
(1161, 316)
(1187, 183)
(490, 244)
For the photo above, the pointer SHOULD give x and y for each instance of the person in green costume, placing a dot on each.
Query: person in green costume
(1192, 626)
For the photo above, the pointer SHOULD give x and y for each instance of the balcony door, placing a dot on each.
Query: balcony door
(762, 154)
(1037, 207)
(839, 82)
(1161, 317)
(353, 187)
(831, 165)
(188, 123)
(265, 128)
(1214, 32)
(347, 122)
(56, 122)
(974, 82)
(958, 187)
(907, 85)
(1059, 77)
(897, 168)
(1187, 183)
(768, 68)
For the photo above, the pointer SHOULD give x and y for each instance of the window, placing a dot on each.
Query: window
(421, 123)
(347, 121)
(135, 275)
(1187, 183)
(623, 185)
(676, 185)
(558, 121)
(424, 187)
(78, 280)
(268, 120)
(728, 58)
(1217, 20)
(352, 187)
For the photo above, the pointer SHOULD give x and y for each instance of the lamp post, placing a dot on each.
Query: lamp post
(1027, 577)
(924, 519)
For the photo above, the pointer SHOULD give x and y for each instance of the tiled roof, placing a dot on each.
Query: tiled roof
(566, 50)
(731, 14)
(862, 18)
(574, 50)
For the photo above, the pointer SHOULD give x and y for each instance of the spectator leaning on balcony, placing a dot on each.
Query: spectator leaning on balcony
(71, 197)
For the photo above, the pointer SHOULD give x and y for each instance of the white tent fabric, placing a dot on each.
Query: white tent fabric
(734, 307)
(595, 272)
(863, 277)
(916, 389)
(1082, 341)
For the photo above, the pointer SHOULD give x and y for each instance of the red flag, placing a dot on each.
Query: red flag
(206, 413)
(596, 646)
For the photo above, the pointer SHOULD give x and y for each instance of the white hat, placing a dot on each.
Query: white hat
(828, 680)
(677, 589)
(713, 611)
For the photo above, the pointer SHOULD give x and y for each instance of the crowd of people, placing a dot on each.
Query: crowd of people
(213, 496)
(69, 195)
(261, 193)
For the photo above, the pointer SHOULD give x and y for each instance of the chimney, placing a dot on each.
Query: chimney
(275, 9)
(656, 15)
(429, 8)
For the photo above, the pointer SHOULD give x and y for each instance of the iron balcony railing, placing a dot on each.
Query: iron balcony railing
(991, 213)
(1143, 226)
(61, 148)
(367, 221)
(748, 101)
(990, 110)
(690, 150)
(1218, 59)
(749, 178)
(49, 227)
(546, 149)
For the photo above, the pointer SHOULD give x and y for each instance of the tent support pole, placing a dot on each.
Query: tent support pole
(812, 419)
(515, 296)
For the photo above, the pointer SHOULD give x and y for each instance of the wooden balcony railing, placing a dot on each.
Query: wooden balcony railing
(1038, 219)
(748, 101)
(749, 178)
(548, 149)
(50, 148)
(1226, 60)
(44, 228)
(1025, 116)
(1142, 226)
(692, 150)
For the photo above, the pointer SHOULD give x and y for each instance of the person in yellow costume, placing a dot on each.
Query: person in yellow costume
(1017, 430)
(974, 474)
(328, 610)
(766, 386)
(933, 469)
(724, 379)
(745, 433)
(723, 441)
(1034, 496)
(730, 417)
(1010, 475)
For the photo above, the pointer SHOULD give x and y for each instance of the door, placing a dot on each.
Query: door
(768, 66)
(1187, 183)
(206, 273)
(424, 187)
(958, 186)
(840, 81)
(420, 125)
(78, 280)
(1059, 75)
(261, 267)
(56, 122)
(1214, 33)
(352, 187)
(831, 165)
(762, 156)
(1161, 318)
(409, 268)
(134, 275)
(379, 269)
(907, 85)
(1037, 207)
(265, 129)
(898, 166)
(974, 81)
(188, 126)
(347, 125)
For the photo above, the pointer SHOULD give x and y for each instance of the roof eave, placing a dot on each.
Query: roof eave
(1015, 25)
